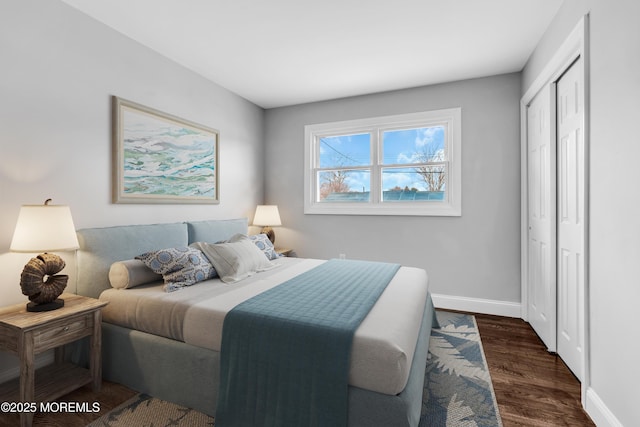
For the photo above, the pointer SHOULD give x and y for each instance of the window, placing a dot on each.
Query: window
(407, 164)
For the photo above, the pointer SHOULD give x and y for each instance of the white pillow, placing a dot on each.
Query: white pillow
(131, 273)
(237, 259)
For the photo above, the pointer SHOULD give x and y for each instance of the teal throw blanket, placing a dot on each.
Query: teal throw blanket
(286, 352)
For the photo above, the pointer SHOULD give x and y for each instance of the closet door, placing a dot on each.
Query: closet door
(541, 238)
(571, 217)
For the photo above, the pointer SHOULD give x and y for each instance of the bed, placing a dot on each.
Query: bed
(176, 356)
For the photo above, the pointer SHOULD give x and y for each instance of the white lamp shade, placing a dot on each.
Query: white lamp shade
(267, 215)
(43, 228)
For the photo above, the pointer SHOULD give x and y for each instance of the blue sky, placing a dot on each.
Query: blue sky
(399, 147)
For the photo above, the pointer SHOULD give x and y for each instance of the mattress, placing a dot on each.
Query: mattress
(383, 345)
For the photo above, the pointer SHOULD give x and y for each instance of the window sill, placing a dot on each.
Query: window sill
(392, 209)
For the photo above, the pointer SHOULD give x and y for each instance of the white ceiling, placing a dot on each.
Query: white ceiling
(285, 52)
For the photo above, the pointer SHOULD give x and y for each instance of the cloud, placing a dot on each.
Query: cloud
(404, 158)
(429, 136)
(358, 181)
(405, 177)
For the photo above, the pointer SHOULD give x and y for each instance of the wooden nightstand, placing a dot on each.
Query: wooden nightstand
(26, 334)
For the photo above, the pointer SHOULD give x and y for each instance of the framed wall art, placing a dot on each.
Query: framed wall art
(160, 158)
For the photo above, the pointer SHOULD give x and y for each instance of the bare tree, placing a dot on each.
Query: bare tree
(433, 175)
(335, 183)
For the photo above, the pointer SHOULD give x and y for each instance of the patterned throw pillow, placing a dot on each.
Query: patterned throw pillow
(179, 266)
(264, 244)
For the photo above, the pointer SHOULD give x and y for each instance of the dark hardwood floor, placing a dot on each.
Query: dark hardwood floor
(533, 387)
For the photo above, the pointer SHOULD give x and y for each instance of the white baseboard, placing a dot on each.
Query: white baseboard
(477, 305)
(599, 412)
(12, 372)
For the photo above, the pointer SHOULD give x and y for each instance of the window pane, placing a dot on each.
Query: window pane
(413, 184)
(406, 146)
(345, 150)
(369, 166)
(344, 186)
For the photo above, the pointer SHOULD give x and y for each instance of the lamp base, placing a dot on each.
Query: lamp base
(269, 232)
(47, 306)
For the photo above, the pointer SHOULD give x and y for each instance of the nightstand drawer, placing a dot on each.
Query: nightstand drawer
(62, 332)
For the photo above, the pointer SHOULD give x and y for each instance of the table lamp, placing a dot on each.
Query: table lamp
(42, 228)
(267, 216)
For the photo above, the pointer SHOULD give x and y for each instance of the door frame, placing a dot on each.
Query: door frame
(575, 46)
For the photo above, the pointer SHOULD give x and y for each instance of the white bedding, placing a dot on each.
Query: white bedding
(383, 345)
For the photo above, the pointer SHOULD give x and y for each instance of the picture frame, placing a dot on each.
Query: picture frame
(161, 158)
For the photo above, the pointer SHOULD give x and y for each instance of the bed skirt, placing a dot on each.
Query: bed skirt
(189, 375)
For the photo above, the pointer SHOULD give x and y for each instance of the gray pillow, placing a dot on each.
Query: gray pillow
(236, 259)
(131, 273)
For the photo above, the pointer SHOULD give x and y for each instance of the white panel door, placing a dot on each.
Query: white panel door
(571, 217)
(541, 218)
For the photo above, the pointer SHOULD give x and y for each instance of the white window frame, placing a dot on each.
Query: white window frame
(450, 119)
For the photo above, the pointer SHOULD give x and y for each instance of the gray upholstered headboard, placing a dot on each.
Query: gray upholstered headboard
(101, 247)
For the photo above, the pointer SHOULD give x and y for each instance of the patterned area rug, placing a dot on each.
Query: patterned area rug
(146, 411)
(458, 390)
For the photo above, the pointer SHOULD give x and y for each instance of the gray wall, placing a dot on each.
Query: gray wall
(614, 227)
(59, 69)
(476, 255)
